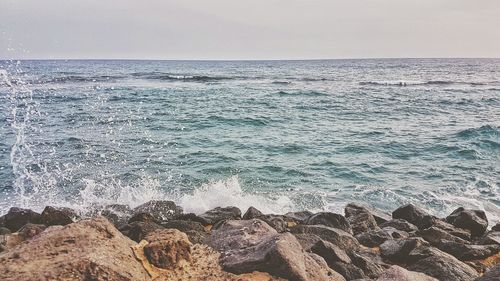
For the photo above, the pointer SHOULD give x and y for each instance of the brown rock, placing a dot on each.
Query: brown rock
(335, 236)
(57, 216)
(397, 273)
(218, 214)
(252, 213)
(355, 208)
(330, 220)
(31, 230)
(473, 220)
(167, 248)
(410, 213)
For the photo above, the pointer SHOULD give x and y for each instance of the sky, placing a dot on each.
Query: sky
(240, 29)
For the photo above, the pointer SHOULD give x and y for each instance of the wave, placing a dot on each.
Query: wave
(404, 83)
(178, 77)
(76, 79)
(302, 93)
(483, 131)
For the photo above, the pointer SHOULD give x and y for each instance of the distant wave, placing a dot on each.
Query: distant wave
(177, 77)
(76, 78)
(403, 83)
(302, 93)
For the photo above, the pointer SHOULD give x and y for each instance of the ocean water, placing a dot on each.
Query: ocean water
(277, 135)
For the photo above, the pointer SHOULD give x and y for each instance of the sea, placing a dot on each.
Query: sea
(277, 135)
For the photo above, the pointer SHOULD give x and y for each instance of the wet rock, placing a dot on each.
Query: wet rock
(373, 238)
(491, 275)
(362, 222)
(400, 224)
(194, 230)
(142, 217)
(159, 209)
(437, 236)
(138, 230)
(276, 222)
(338, 237)
(85, 250)
(299, 216)
(355, 208)
(167, 248)
(329, 252)
(252, 213)
(466, 252)
(4, 230)
(431, 221)
(397, 273)
(218, 214)
(473, 220)
(191, 217)
(17, 217)
(31, 230)
(496, 227)
(330, 220)
(399, 250)
(492, 237)
(441, 265)
(57, 216)
(410, 213)
(117, 214)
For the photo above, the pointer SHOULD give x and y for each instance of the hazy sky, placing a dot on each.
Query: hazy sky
(257, 29)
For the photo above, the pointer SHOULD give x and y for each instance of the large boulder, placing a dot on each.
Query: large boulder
(397, 273)
(330, 220)
(330, 252)
(86, 250)
(167, 248)
(491, 275)
(299, 216)
(338, 237)
(57, 216)
(138, 230)
(437, 236)
(352, 209)
(492, 237)
(252, 213)
(411, 213)
(17, 217)
(194, 230)
(473, 220)
(432, 221)
(362, 222)
(465, 252)
(117, 214)
(159, 209)
(252, 245)
(219, 214)
(496, 227)
(398, 250)
(400, 224)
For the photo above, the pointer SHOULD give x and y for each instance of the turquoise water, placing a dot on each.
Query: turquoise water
(279, 135)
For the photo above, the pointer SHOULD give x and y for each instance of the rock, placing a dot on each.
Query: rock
(191, 217)
(399, 250)
(336, 236)
(4, 230)
(252, 213)
(138, 230)
(142, 217)
(400, 224)
(159, 209)
(373, 238)
(496, 227)
(299, 216)
(218, 214)
(491, 275)
(252, 245)
(329, 252)
(117, 214)
(411, 214)
(349, 271)
(9, 241)
(431, 221)
(437, 236)
(17, 217)
(330, 220)
(369, 268)
(355, 208)
(397, 273)
(276, 222)
(362, 222)
(441, 265)
(194, 230)
(57, 216)
(85, 250)
(466, 252)
(473, 220)
(31, 230)
(167, 248)
(307, 241)
(492, 237)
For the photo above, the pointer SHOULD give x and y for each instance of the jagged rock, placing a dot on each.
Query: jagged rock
(373, 238)
(473, 220)
(191, 217)
(369, 267)
(349, 271)
(159, 209)
(17, 217)
(397, 273)
(432, 221)
(252, 245)
(400, 224)
(252, 213)
(362, 222)
(9, 241)
(352, 209)
(4, 230)
(399, 250)
(276, 222)
(299, 216)
(31, 230)
(466, 252)
(86, 250)
(167, 248)
(57, 216)
(491, 275)
(336, 236)
(437, 236)
(492, 237)
(496, 227)
(307, 241)
(410, 213)
(138, 230)
(117, 214)
(440, 265)
(329, 252)
(142, 217)
(194, 230)
(330, 220)
(218, 214)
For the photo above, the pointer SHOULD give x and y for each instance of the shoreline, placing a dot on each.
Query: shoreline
(158, 241)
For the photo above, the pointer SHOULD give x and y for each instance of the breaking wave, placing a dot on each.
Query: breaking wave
(404, 83)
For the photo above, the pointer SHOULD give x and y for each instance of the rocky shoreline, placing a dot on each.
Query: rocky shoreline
(158, 241)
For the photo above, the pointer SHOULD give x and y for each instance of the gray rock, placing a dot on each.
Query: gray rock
(330, 220)
(362, 222)
(191, 217)
(496, 227)
(142, 217)
(370, 268)
(31, 230)
(194, 230)
(491, 275)
(4, 230)
(400, 224)
(57, 216)
(399, 250)
(117, 214)
(307, 241)
(252, 213)
(431, 221)
(336, 236)
(138, 230)
(17, 217)
(473, 220)
(330, 252)
(437, 236)
(349, 271)
(373, 238)
(492, 237)
(219, 214)
(355, 208)
(397, 273)
(410, 213)
(299, 216)
(466, 252)
(159, 209)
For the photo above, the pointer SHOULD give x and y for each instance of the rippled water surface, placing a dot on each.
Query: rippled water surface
(279, 135)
